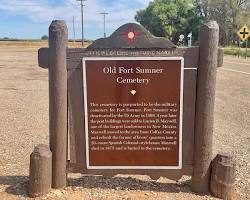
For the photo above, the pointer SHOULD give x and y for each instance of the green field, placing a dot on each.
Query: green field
(234, 51)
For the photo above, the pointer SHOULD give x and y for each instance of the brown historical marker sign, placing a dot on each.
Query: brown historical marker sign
(133, 112)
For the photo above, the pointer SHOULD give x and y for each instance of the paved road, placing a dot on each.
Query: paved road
(237, 65)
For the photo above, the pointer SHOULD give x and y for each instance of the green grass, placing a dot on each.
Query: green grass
(235, 52)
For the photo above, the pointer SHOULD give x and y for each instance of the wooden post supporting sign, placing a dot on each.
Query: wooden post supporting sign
(58, 36)
(209, 37)
(143, 49)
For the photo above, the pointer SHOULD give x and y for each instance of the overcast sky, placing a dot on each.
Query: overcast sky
(31, 18)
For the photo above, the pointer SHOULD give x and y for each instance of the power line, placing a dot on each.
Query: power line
(82, 19)
(104, 23)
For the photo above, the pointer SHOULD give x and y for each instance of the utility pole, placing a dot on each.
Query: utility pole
(74, 32)
(104, 22)
(82, 18)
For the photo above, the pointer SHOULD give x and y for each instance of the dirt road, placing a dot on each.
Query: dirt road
(24, 124)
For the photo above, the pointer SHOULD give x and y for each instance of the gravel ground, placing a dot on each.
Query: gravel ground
(232, 119)
(24, 124)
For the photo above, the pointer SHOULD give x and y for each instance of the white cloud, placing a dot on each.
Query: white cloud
(43, 11)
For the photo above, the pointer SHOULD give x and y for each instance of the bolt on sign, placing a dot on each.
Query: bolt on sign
(243, 33)
(131, 120)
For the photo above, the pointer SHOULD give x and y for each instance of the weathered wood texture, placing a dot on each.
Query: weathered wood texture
(76, 115)
(154, 174)
(77, 161)
(61, 60)
(40, 171)
(43, 57)
(77, 135)
(220, 57)
(189, 99)
(75, 55)
(206, 80)
(141, 38)
(58, 36)
(223, 177)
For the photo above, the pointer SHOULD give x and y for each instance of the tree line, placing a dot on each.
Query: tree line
(171, 18)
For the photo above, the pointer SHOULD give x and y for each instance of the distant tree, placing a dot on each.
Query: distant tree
(45, 37)
(230, 15)
(202, 6)
(171, 18)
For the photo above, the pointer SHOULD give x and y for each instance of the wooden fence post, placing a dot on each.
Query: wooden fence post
(40, 171)
(58, 37)
(206, 80)
(223, 176)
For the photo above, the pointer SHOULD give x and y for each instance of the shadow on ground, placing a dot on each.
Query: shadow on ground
(128, 183)
(18, 185)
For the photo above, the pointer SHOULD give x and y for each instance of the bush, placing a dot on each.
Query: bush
(45, 37)
(236, 52)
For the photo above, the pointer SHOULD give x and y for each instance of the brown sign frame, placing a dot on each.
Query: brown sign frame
(181, 59)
